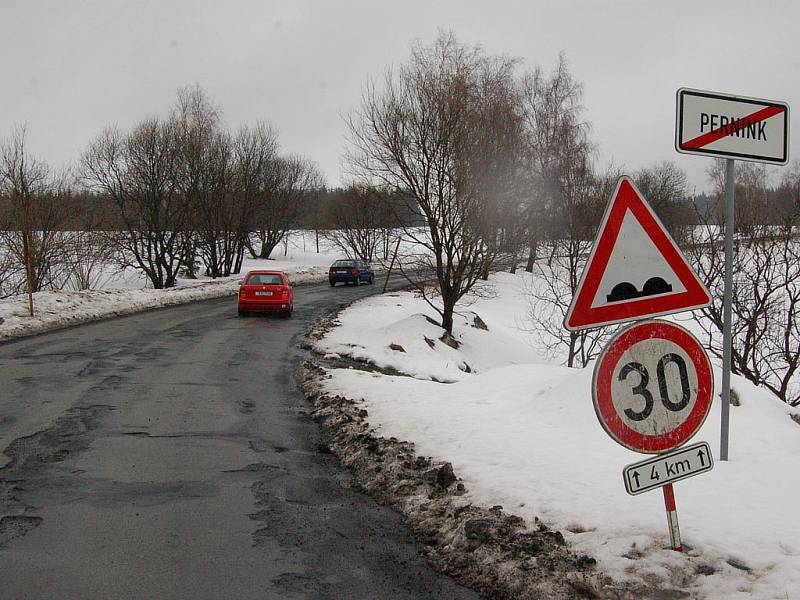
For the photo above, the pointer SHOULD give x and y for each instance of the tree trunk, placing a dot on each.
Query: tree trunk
(531, 259)
(26, 250)
(447, 313)
(266, 247)
(248, 243)
(573, 338)
(239, 259)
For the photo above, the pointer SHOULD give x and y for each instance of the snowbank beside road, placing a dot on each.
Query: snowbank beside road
(525, 436)
(55, 310)
(392, 331)
(126, 291)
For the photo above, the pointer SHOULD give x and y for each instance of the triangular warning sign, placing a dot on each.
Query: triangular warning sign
(635, 269)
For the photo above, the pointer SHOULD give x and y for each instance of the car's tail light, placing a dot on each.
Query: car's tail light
(354, 272)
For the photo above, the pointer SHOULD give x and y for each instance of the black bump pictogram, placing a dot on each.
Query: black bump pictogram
(627, 291)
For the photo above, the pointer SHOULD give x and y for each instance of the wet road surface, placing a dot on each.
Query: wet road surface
(170, 455)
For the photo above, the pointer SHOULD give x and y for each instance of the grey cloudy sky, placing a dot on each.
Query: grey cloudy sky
(69, 68)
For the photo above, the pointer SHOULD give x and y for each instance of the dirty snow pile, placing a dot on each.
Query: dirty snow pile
(522, 433)
(126, 295)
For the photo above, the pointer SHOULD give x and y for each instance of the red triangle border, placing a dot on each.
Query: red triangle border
(581, 315)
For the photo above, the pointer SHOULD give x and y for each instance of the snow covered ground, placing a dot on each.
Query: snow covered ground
(522, 433)
(127, 292)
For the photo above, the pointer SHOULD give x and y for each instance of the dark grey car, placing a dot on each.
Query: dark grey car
(350, 271)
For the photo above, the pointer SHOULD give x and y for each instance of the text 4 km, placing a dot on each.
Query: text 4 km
(667, 468)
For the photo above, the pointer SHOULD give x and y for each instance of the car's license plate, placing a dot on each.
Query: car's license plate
(263, 293)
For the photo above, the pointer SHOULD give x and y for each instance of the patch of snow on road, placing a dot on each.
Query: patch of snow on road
(524, 435)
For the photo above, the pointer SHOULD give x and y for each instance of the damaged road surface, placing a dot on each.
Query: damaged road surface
(170, 455)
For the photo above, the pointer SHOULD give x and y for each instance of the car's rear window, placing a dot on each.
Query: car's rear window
(265, 280)
(344, 263)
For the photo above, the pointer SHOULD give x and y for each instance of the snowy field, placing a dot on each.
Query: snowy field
(522, 433)
(128, 292)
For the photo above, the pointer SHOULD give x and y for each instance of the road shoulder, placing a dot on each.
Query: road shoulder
(483, 548)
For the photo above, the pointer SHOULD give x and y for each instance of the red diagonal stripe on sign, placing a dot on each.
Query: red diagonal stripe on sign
(717, 134)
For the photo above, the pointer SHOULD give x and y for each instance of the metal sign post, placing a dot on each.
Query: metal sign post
(672, 518)
(727, 301)
(730, 127)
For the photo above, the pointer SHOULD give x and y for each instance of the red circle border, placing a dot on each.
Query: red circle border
(601, 386)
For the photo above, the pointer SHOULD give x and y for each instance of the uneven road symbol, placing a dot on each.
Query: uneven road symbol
(635, 269)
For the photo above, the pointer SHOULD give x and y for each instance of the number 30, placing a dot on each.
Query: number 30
(644, 379)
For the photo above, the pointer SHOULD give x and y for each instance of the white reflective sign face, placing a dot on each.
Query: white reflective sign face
(654, 387)
(666, 468)
(635, 259)
(732, 127)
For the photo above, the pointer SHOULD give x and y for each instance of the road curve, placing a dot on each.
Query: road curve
(169, 455)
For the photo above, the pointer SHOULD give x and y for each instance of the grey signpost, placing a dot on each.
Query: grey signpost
(727, 302)
(730, 127)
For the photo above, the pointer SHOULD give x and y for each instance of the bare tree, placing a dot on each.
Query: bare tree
(36, 213)
(554, 131)
(208, 177)
(223, 178)
(361, 218)
(10, 272)
(88, 256)
(216, 206)
(255, 150)
(564, 201)
(666, 189)
(496, 165)
(88, 253)
(766, 291)
(281, 202)
(423, 133)
(140, 172)
(559, 271)
(751, 192)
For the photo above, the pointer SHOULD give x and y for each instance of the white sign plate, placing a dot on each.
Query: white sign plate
(666, 468)
(726, 126)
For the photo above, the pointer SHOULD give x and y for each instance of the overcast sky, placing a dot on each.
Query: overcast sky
(69, 68)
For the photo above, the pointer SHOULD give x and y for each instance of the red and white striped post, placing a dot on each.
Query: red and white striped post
(672, 517)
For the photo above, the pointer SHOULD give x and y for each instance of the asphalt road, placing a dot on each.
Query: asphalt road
(170, 455)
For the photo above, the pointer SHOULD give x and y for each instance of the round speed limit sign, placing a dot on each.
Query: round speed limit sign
(652, 386)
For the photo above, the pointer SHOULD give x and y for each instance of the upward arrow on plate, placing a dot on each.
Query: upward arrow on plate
(701, 455)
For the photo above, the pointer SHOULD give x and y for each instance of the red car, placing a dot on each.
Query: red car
(266, 291)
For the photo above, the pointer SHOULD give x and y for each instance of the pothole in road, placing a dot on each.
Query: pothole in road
(16, 526)
(56, 443)
(33, 452)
